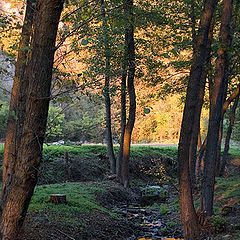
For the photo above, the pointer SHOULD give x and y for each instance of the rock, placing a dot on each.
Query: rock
(151, 194)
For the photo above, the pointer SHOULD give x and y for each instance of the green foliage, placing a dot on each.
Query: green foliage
(164, 209)
(55, 123)
(218, 223)
(3, 118)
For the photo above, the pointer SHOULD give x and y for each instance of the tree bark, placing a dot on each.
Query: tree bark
(110, 150)
(196, 124)
(39, 73)
(188, 214)
(128, 8)
(231, 98)
(228, 137)
(123, 119)
(217, 104)
(19, 89)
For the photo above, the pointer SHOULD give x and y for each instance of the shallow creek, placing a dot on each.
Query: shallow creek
(150, 223)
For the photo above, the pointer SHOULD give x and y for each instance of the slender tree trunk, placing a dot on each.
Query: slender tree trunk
(39, 73)
(19, 89)
(225, 105)
(199, 160)
(217, 104)
(110, 150)
(188, 214)
(228, 137)
(131, 92)
(123, 119)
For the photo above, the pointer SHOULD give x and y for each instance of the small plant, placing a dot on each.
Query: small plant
(218, 223)
(163, 209)
(171, 224)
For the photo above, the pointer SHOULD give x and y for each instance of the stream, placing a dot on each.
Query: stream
(151, 224)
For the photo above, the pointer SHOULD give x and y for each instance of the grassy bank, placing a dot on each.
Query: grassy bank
(90, 163)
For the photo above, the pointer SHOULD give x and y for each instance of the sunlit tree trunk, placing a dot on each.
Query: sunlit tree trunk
(20, 86)
(123, 119)
(108, 117)
(131, 92)
(188, 214)
(216, 112)
(39, 74)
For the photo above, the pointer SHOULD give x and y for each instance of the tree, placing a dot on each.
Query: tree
(18, 94)
(228, 136)
(216, 109)
(188, 214)
(23, 178)
(110, 150)
(129, 39)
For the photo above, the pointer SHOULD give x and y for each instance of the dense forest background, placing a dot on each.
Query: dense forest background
(77, 111)
(126, 71)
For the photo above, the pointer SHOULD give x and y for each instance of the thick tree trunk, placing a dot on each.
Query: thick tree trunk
(110, 150)
(217, 104)
(18, 94)
(39, 73)
(188, 214)
(196, 124)
(228, 137)
(131, 91)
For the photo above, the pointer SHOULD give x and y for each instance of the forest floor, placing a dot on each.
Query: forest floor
(99, 208)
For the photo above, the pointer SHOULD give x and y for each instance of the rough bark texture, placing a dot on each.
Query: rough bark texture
(217, 104)
(110, 150)
(196, 124)
(39, 73)
(228, 137)
(18, 92)
(188, 213)
(131, 91)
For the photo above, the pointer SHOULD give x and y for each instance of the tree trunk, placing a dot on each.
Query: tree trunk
(128, 8)
(231, 98)
(18, 91)
(39, 73)
(217, 104)
(188, 214)
(123, 119)
(228, 137)
(196, 124)
(110, 150)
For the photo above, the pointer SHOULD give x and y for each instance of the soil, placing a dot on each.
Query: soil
(133, 221)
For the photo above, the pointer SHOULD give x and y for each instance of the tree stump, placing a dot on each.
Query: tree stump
(58, 198)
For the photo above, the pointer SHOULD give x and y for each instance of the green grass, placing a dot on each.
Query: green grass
(80, 198)
(228, 188)
(235, 151)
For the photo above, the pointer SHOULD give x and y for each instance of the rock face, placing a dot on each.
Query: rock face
(7, 70)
